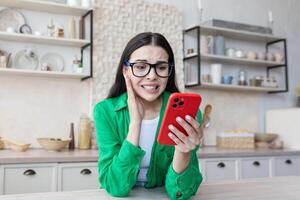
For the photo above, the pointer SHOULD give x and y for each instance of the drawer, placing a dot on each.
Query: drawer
(78, 176)
(286, 166)
(220, 170)
(1, 180)
(255, 168)
(29, 178)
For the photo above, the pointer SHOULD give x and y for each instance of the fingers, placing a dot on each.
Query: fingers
(196, 125)
(192, 128)
(179, 144)
(181, 136)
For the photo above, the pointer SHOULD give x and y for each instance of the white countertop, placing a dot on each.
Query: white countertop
(278, 188)
(42, 156)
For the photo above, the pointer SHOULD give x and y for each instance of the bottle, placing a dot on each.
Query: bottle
(72, 143)
(50, 28)
(72, 32)
(84, 132)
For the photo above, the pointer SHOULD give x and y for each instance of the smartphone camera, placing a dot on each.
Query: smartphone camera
(178, 103)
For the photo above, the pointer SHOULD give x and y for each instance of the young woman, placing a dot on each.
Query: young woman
(128, 121)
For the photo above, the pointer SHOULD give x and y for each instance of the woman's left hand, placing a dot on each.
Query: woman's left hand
(185, 143)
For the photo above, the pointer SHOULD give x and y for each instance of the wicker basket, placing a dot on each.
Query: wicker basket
(236, 140)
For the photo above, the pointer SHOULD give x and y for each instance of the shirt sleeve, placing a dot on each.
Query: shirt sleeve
(185, 184)
(118, 162)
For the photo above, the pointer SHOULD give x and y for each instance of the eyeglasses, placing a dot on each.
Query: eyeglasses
(142, 69)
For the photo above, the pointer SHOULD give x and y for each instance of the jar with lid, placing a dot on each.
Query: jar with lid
(242, 77)
(84, 132)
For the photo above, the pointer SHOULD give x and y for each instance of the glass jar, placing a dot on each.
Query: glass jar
(84, 132)
(242, 77)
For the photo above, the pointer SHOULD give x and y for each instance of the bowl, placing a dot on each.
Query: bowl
(16, 146)
(53, 144)
(265, 137)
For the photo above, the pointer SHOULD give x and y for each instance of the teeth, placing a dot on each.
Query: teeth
(150, 87)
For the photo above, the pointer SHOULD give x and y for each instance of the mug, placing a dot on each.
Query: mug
(227, 79)
(230, 52)
(278, 57)
(206, 44)
(10, 30)
(251, 55)
(239, 54)
(216, 73)
(270, 56)
(261, 56)
(219, 45)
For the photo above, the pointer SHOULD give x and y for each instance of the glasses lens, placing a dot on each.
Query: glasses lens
(163, 69)
(140, 69)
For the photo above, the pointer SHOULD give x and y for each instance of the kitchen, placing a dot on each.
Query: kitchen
(57, 59)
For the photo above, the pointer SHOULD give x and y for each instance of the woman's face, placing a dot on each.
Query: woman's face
(151, 86)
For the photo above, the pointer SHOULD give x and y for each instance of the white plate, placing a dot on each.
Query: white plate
(11, 18)
(23, 61)
(54, 61)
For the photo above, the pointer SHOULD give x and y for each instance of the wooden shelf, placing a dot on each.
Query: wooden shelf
(236, 87)
(237, 34)
(230, 60)
(17, 37)
(45, 6)
(37, 73)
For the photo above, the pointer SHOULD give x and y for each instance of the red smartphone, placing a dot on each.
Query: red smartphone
(179, 104)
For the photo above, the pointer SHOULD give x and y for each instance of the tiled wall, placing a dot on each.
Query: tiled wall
(115, 22)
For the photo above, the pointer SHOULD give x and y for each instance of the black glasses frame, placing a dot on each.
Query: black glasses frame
(128, 64)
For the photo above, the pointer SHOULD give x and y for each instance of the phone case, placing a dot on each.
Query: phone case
(179, 104)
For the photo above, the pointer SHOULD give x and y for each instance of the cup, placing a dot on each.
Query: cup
(227, 79)
(219, 45)
(230, 52)
(251, 55)
(206, 44)
(278, 57)
(216, 73)
(37, 33)
(239, 54)
(261, 56)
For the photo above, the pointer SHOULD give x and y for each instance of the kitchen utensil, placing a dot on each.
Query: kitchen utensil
(239, 53)
(16, 146)
(242, 77)
(1, 144)
(54, 144)
(54, 61)
(219, 45)
(251, 55)
(11, 18)
(265, 137)
(206, 116)
(230, 52)
(26, 59)
(84, 132)
(206, 44)
(278, 57)
(226, 79)
(216, 73)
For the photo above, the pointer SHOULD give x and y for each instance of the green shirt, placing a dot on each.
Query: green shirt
(119, 160)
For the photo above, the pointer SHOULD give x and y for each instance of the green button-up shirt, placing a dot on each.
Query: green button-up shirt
(119, 160)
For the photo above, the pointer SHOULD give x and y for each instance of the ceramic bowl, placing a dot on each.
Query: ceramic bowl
(16, 146)
(265, 137)
(53, 144)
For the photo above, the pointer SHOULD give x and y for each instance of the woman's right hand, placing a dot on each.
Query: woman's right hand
(135, 105)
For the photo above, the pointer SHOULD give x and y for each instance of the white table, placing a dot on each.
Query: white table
(279, 188)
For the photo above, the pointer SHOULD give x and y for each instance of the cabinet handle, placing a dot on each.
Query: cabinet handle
(29, 172)
(85, 172)
(289, 162)
(256, 163)
(221, 165)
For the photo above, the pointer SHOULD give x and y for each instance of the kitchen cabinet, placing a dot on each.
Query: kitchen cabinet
(193, 62)
(216, 170)
(29, 178)
(287, 166)
(48, 177)
(77, 176)
(224, 169)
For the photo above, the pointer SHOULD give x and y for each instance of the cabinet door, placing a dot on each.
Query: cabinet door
(1, 180)
(29, 178)
(255, 168)
(216, 170)
(286, 166)
(78, 176)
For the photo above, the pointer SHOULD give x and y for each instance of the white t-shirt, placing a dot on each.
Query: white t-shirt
(147, 137)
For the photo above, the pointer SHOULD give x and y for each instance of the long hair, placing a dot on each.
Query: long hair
(136, 42)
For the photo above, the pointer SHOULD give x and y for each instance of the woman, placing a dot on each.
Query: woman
(127, 123)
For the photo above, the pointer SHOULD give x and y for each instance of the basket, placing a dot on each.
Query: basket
(243, 140)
